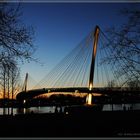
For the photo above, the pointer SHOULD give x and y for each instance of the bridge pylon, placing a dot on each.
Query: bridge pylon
(25, 83)
(92, 66)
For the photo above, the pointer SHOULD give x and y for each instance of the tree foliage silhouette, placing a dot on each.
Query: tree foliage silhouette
(16, 39)
(126, 46)
(16, 43)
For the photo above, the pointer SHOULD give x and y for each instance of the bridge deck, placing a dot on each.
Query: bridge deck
(105, 91)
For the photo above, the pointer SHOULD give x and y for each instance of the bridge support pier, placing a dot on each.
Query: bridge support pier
(89, 99)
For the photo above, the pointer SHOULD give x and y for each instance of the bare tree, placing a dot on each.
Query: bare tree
(9, 78)
(125, 47)
(16, 43)
(16, 39)
(3, 80)
(15, 80)
(111, 84)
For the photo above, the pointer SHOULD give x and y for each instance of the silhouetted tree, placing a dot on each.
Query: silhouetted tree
(111, 84)
(9, 78)
(16, 39)
(134, 84)
(66, 99)
(14, 80)
(16, 42)
(125, 43)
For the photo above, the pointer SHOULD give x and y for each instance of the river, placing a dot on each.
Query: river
(51, 109)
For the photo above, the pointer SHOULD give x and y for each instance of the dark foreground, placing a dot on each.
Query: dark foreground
(95, 124)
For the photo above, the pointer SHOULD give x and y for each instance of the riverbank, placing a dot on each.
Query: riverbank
(91, 124)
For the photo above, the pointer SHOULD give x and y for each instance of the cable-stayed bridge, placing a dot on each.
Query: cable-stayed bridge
(86, 69)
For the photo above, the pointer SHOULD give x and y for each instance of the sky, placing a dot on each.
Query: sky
(59, 27)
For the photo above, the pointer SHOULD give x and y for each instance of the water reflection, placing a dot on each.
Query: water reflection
(39, 109)
(115, 107)
(52, 109)
(22, 110)
(8, 111)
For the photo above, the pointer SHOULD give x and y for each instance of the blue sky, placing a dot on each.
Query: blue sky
(59, 27)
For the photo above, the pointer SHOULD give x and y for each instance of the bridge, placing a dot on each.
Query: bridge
(78, 72)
